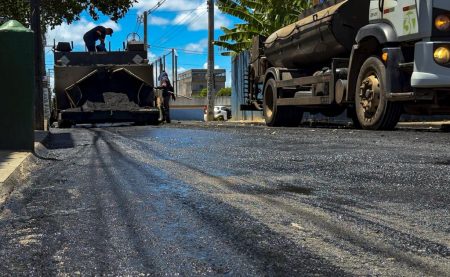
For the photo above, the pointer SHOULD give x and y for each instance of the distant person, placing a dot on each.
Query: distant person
(97, 33)
(167, 89)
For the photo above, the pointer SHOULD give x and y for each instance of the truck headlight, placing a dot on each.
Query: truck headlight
(442, 23)
(442, 55)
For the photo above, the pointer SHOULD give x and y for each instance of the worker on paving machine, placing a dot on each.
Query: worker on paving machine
(97, 33)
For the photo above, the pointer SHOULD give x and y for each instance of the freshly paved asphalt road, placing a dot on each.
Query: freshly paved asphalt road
(231, 200)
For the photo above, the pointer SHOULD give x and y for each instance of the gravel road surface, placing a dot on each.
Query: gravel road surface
(237, 200)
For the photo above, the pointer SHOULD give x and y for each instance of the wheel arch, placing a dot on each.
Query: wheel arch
(382, 32)
(273, 73)
(365, 48)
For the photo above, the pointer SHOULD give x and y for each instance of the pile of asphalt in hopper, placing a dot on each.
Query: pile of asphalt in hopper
(113, 101)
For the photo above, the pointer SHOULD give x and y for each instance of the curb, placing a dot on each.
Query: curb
(440, 125)
(13, 178)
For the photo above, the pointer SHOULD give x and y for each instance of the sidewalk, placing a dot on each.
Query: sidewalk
(442, 125)
(11, 161)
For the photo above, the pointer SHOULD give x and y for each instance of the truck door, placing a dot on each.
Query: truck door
(400, 14)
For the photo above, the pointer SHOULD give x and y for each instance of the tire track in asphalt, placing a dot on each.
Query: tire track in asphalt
(423, 264)
(29, 209)
(278, 259)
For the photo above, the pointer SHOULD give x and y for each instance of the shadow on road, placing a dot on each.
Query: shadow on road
(56, 141)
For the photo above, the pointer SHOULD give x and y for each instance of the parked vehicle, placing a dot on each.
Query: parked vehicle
(376, 59)
(221, 113)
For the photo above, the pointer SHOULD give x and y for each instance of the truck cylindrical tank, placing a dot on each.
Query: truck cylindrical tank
(318, 37)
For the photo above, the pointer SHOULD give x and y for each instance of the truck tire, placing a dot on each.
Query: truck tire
(373, 110)
(276, 116)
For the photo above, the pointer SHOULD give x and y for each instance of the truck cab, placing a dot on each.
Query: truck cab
(414, 36)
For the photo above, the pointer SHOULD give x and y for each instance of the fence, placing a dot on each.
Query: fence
(239, 67)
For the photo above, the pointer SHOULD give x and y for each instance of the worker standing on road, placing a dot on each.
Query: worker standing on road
(167, 89)
(97, 33)
(162, 76)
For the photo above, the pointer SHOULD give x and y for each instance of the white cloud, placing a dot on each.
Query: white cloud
(181, 69)
(171, 5)
(195, 20)
(75, 31)
(155, 20)
(197, 47)
(151, 56)
(198, 20)
(205, 66)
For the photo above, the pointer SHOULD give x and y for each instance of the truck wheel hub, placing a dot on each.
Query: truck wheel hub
(370, 95)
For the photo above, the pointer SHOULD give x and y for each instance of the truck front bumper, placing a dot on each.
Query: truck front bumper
(427, 73)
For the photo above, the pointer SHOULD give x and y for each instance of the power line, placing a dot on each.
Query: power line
(159, 4)
(185, 19)
(187, 52)
(180, 49)
(174, 34)
(180, 22)
(140, 18)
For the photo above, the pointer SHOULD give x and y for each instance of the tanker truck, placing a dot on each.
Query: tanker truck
(374, 60)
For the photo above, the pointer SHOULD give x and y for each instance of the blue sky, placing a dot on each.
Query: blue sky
(180, 24)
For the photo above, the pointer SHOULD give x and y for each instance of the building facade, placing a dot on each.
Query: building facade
(192, 82)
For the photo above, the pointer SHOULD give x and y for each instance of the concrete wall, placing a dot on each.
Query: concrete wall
(192, 108)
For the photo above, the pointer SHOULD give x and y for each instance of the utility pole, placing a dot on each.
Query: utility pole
(146, 30)
(38, 62)
(176, 75)
(210, 74)
(173, 68)
(164, 62)
(156, 72)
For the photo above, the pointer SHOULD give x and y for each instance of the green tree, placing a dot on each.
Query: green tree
(56, 12)
(224, 92)
(260, 17)
(221, 92)
(203, 92)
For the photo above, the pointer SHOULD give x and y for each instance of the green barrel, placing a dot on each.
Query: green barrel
(17, 87)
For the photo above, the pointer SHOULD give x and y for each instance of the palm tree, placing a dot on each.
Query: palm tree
(261, 17)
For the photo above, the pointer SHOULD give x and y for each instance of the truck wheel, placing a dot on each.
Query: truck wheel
(276, 116)
(373, 110)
